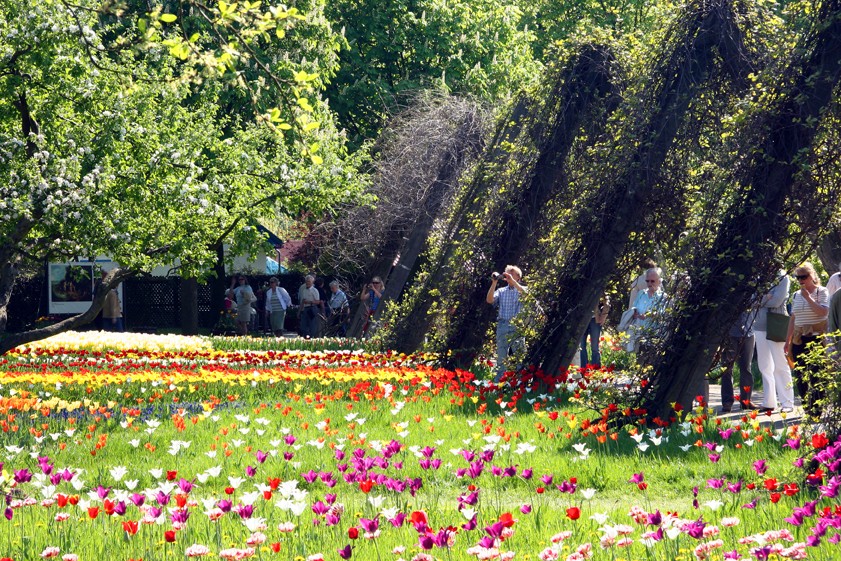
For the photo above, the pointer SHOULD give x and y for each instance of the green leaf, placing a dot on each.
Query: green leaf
(168, 18)
(141, 25)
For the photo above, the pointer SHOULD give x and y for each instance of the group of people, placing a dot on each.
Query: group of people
(318, 310)
(778, 332)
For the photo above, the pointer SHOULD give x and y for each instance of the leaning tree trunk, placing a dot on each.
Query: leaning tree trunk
(409, 326)
(111, 280)
(755, 226)
(453, 164)
(829, 251)
(396, 259)
(587, 79)
(618, 207)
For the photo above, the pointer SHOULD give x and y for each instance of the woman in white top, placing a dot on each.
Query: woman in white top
(770, 355)
(809, 310)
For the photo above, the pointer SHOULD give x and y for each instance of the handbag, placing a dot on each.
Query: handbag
(777, 329)
(627, 320)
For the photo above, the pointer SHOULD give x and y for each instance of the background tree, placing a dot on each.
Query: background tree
(114, 139)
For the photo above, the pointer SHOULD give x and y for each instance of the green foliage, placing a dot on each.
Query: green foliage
(129, 151)
(396, 48)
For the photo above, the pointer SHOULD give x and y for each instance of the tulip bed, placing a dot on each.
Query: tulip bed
(155, 448)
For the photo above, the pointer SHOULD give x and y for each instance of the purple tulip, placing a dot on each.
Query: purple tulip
(345, 552)
(793, 443)
(425, 542)
(637, 478)
(251, 471)
(180, 516)
(369, 525)
(261, 456)
(102, 492)
(137, 499)
(185, 486)
(23, 476)
(320, 508)
(244, 511)
(224, 505)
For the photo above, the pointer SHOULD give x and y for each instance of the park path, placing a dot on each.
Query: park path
(775, 419)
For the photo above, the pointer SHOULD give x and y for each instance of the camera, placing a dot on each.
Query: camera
(496, 276)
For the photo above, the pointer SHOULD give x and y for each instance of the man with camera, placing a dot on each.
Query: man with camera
(507, 301)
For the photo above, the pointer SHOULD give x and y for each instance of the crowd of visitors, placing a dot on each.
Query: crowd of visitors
(779, 330)
(320, 311)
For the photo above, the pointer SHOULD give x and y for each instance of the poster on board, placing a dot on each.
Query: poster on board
(71, 285)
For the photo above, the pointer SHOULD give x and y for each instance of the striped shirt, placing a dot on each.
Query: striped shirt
(803, 312)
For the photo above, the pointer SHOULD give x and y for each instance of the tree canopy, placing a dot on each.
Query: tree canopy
(148, 136)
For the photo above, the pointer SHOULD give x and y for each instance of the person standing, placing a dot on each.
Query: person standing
(809, 310)
(337, 309)
(738, 349)
(647, 305)
(508, 303)
(308, 300)
(771, 355)
(371, 296)
(594, 332)
(112, 312)
(277, 302)
(639, 284)
(244, 296)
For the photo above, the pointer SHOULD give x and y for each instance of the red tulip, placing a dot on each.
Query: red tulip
(573, 513)
(169, 536)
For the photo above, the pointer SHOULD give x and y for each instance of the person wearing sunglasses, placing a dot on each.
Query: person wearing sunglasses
(809, 310)
(371, 295)
(648, 304)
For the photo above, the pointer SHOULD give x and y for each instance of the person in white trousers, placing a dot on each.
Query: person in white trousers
(770, 355)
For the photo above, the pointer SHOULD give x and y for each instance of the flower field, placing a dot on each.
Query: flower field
(154, 448)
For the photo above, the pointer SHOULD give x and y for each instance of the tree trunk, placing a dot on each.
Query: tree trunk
(747, 244)
(468, 144)
(8, 274)
(618, 208)
(829, 252)
(189, 306)
(586, 79)
(407, 331)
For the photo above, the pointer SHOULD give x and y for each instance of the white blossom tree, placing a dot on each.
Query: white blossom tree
(154, 136)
